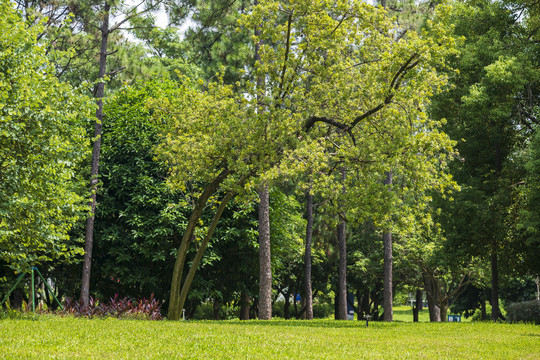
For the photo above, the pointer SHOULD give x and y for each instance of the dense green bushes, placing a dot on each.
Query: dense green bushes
(205, 311)
(526, 311)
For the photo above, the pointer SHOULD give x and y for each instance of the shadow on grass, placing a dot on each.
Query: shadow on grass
(326, 323)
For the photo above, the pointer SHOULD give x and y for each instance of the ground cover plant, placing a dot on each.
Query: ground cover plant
(69, 338)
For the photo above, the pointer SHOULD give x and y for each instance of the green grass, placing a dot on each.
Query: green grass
(48, 337)
(405, 314)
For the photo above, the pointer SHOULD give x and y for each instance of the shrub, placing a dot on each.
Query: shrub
(477, 316)
(323, 310)
(124, 308)
(527, 311)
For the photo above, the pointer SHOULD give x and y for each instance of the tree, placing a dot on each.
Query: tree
(388, 297)
(41, 143)
(308, 59)
(139, 217)
(530, 220)
(487, 110)
(108, 10)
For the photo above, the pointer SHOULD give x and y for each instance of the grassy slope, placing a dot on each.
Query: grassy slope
(68, 338)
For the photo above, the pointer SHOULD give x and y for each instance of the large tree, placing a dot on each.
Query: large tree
(490, 111)
(317, 61)
(42, 141)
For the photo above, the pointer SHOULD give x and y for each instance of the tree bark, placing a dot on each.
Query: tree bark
(265, 282)
(244, 306)
(388, 314)
(202, 247)
(342, 244)
(416, 307)
(307, 257)
(494, 282)
(443, 309)
(432, 292)
(100, 91)
(434, 311)
(175, 307)
(418, 304)
(287, 305)
(217, 309)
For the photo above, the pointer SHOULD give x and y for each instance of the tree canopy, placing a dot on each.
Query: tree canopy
(43, 142)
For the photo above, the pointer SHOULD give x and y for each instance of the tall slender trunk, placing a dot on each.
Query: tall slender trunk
(307, 257)
(244, 306)
(417, 305)
(265, 282)
(342, 272)
(175, 303)
(388, 314)
(287, 305)
(202, 247)
(342, 244)
(265, 269)
(494, 282)
(100, 91)
(217, 309)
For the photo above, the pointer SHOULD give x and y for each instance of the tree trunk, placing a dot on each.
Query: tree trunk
(483, 309)
(217, 309)
(432, 292)
(494, 282)
(287, 305)
(100, 91)
(307, 257)
(175, 305)
(388, 314)
(265, 283)
(443, 309)
(434, 311)
(417, 305)
(365, 306)
(202, 247)
(244, 306)
(342, 244)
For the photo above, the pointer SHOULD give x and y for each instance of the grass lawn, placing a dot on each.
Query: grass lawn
(70, 338)
(404, 313)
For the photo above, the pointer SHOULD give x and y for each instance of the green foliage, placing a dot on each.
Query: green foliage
(361, 96)
(527, 311)
(477, 316)
(490, 110)
(42, 141)
(530, 220)
(215, 44)
(139, 217)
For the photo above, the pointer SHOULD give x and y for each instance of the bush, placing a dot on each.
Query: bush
(205, 311)
(125, 308)
(278, 309)
(323, 310)
(527, 311)
(477, 316)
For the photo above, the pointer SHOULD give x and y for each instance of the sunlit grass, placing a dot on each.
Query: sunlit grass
(67, 338)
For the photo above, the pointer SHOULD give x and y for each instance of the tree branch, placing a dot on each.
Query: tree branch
(287, 49)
